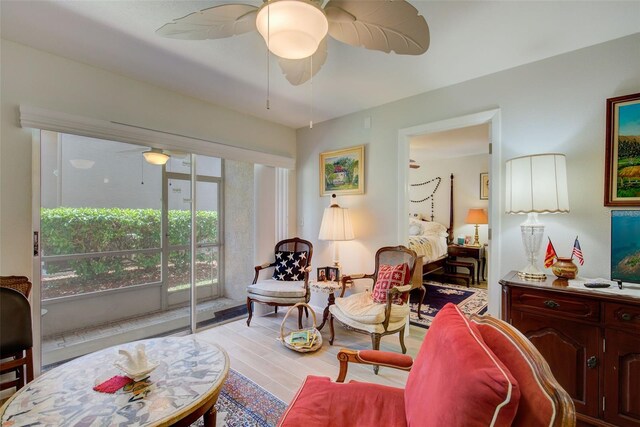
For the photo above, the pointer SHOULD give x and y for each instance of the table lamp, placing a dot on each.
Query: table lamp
(336, 226)
(477, 217)
(535, 184)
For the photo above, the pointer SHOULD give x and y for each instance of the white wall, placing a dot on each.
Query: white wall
(554, 105)
(466, 171)
(35, 78)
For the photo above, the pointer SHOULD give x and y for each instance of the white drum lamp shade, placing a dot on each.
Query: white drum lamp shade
(535, 184)
(292, 29)
(336, 226)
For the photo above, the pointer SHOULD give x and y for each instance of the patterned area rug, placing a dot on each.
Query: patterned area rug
(469, 300)
(244, 403)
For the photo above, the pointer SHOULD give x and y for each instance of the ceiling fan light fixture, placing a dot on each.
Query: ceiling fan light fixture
(155, 157)
(292, 29)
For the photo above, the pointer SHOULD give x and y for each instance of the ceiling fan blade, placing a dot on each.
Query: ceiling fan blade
(298, 71)
(213, 23)
(177, 154)
(378, 25)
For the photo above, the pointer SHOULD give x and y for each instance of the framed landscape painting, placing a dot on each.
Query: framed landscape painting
(622, 167)
(342, 171)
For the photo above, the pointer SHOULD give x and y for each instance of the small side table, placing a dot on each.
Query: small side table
(475, 252)
(328, 288)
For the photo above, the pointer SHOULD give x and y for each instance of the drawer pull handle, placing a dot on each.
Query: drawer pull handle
(551, 304)
(625, 316)
(592, 362)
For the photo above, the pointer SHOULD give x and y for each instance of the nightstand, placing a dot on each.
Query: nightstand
(474, 252)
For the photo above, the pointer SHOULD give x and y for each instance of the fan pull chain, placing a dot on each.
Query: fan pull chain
(268, 56)
(311, 87)
(142, 170)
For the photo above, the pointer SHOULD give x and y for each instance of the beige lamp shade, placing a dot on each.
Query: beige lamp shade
(336, 224)
(537, 183)
(477, 216)
(292, 29)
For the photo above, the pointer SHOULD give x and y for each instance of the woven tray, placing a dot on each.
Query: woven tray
(286, 339)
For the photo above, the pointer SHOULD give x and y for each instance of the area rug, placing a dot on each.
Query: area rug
(469, 300)
(244, 403)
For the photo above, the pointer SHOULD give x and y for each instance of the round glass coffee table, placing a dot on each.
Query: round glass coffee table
(184, 387)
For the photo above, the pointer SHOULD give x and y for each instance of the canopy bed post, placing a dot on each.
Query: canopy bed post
(450, 239)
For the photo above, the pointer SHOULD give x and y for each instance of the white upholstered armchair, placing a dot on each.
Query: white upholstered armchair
(385, 310)
(289, 282)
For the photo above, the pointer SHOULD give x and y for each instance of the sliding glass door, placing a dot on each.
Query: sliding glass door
(116, 232)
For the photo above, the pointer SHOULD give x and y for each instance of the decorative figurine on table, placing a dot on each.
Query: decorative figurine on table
(136, 365)
(563, 268)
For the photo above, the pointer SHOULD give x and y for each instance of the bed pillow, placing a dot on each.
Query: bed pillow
(388, 277)
(433, 228)
(290, 266)
(415, 228)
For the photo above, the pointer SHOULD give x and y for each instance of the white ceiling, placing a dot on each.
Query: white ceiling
(468, 40)
(461, 142)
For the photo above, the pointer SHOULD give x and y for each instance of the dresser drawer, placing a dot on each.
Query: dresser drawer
(623, 316)
(566, 306)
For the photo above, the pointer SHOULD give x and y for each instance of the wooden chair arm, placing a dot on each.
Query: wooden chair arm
(350, 278)
(391, 293)
(372, 357)
(257, 268)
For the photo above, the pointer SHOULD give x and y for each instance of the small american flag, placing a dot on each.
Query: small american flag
(577, 252)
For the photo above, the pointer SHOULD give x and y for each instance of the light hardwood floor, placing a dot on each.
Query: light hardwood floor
(256, 353)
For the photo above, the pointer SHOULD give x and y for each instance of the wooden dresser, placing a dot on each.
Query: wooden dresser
(590, 338)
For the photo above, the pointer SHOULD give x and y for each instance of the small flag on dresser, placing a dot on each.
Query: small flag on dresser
(550, 255)
(577, 252)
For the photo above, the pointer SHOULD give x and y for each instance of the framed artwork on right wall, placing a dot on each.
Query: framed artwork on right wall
(622, 160)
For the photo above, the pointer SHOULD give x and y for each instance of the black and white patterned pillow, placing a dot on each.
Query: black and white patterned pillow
(290, 266)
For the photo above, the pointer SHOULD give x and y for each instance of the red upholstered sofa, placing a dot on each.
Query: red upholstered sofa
(468, 372)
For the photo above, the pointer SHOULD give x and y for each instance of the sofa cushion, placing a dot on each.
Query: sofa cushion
(323, 403)
(278, 289)
(361, 308)
(536, 408)
(388, 277)
(456, 380)
(290, 266)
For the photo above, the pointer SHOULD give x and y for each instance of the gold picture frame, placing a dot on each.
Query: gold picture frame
(484, 186)
(342, 171)
(621, 165)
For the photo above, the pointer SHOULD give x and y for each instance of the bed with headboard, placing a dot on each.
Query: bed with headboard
(429, 239)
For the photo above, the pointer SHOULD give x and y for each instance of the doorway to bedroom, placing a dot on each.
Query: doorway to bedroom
(448, 184)
(445, 169)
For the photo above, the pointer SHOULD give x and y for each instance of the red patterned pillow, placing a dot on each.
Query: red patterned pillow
(388, 277)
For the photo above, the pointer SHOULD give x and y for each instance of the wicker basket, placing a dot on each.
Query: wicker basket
(286, 339)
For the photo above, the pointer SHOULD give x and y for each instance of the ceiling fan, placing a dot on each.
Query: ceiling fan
(296, 30)
(156, 156)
